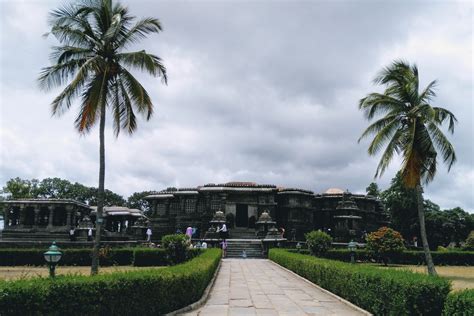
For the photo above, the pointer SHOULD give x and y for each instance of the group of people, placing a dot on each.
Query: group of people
(72, 234)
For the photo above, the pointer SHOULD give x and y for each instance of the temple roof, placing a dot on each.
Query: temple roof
(119, 210)
(334, 191)
(45, 201)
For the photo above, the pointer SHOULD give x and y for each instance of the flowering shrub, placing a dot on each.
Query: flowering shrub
(318, 242)
(176, 247)
(385, 243)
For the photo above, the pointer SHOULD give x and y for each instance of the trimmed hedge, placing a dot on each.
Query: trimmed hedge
(71, 257)
(147, 257)
(379, 291)
(145, 292)
(459, 303)
(142, 257)
(454, 258)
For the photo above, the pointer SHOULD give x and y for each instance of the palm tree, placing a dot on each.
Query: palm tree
(410, 127)
(91, 59)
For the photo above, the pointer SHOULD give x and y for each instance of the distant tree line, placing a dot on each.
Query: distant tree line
(56, 188)
(442, 226)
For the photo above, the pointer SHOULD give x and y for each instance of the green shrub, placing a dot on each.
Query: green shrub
(379, 291)
(144, 292)
(469, 245)
(442, 249)
(318, 242)
(70, 257)
(176, 247)
(147, 257)
(459, 303)
(385, 243)
(452, 257)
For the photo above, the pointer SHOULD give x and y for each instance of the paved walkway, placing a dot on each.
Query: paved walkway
(259, 287)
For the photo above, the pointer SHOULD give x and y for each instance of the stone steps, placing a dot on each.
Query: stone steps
(236, 248)
(242, 233)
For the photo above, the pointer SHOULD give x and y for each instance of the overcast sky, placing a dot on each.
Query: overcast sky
(263, 91)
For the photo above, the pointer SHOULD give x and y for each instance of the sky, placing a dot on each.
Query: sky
(261, 91)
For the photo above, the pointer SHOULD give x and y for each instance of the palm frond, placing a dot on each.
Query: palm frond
(378, 125)
(443, 144)
(383, 136)
(138, 95)
(139, 31)
(443, 114)
(143, 61)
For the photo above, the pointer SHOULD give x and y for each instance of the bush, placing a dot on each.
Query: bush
(379, 291)
(318, 242)
(453, 258)
(469, 245)
(459, 303)
(70, 257)
(176, 247)
(149, 257)
(385, 243)
(144, 292)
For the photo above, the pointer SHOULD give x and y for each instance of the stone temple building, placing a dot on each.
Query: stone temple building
(342, 214)
(52, 219)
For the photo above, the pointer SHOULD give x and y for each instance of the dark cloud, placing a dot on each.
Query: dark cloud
(259, 91)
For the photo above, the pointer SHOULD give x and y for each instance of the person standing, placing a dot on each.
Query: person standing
(89, 234)
(72, 236)
(223, 232)
(189, 232)
(148, 234)
(224, 248)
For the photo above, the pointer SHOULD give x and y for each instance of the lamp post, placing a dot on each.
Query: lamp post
(352, 247)
(52, 257)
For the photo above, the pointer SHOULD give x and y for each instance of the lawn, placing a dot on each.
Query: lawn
(461, 276)
(14, 273)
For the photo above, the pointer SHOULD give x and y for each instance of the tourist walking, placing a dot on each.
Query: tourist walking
(148, 234)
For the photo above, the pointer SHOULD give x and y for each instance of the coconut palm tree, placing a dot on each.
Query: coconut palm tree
(91, 60)
(410, 127)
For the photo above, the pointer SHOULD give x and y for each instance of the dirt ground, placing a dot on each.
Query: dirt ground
(462, 277)
(14, 273)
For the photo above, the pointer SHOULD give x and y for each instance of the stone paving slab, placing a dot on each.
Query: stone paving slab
(259, 287)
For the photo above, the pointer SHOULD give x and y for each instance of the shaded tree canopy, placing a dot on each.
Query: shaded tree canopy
(442, 226)
(136, 200)
(56, 188)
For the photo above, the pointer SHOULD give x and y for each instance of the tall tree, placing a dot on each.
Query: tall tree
(410, 126)
(373, 189)
(91, 60)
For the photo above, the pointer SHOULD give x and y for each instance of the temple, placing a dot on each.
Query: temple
(342, 214)
(52, 219)
(250, 210)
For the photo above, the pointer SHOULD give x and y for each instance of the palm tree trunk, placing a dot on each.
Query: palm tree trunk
(100, 194)
(424, 239)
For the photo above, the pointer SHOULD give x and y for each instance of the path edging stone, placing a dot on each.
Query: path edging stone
(203, 298)
(363, 311)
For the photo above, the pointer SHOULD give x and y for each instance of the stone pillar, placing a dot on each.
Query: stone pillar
(69, 209)
(223, 201)
(37, 212)
(167, 207)
(51, 215)
(6, 216)
(21, 221)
